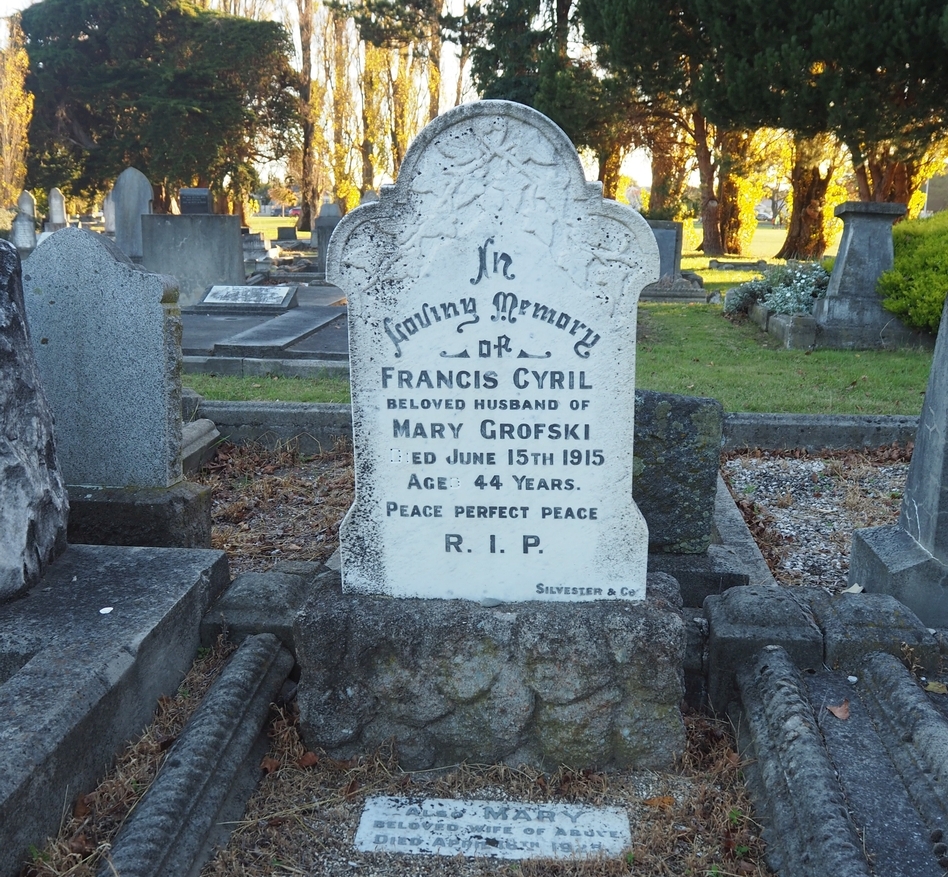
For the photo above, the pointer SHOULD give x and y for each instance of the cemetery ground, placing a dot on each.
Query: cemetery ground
(280, 506)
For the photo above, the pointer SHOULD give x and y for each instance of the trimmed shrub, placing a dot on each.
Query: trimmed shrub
(784, 289)
(916, 287)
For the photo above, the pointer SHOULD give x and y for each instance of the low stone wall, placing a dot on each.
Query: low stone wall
(547, 684)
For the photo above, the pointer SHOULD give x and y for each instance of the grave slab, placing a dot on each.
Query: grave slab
(492, 309)
(90, 648)
(275, 336)
(491, 829)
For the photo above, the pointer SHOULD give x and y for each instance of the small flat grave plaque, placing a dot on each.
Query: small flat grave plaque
(492, 311)
(491, 829)
(249, 299)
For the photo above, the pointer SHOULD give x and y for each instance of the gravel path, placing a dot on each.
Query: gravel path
(803, 510)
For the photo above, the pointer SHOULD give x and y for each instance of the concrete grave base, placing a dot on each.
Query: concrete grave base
(887, 560)
(160, 517)
(77, 681)
(861, 323)
(547, 684)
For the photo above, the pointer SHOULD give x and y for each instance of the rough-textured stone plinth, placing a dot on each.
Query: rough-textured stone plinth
(33, 502)
(547, 684)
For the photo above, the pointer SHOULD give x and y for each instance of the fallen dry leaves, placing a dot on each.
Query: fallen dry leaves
(841, 711)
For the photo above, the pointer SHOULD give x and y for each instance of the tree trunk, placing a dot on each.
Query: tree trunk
(711, 243)
(806, 235)
(434, 63)
(669, 163)
(610, 169)
(308, 207)
(729, 214)
(734, 147)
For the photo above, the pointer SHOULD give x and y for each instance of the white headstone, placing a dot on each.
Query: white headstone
(492, 311)
(23, 231)
(131, 197)
(108, 214)
(107, 338)
(57, 210)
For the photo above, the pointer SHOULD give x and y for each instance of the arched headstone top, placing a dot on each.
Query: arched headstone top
(132, 197)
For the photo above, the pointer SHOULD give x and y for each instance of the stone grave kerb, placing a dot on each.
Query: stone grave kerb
(490, 265)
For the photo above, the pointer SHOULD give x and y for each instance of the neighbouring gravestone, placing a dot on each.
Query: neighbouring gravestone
(326, 222)
(195, 201)
(200, 250)
(851, 315)
(108, 214)
(492, 312)
(132, 197)
(57, 210)
(492, 303)
(33, 501)
(668, 236)
(106, 335)
(23, 232)
(909, 560)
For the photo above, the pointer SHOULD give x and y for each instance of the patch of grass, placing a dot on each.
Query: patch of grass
(693, 350)
(329, 387)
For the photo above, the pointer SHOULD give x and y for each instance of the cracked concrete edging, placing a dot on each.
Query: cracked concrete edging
(168, 832)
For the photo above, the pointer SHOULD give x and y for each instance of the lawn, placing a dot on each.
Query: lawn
(694, 350)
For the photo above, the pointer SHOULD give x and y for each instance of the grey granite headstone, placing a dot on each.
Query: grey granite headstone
(107, 339)
(132, 197)
(327, 220)
(492, 309)
(909, 560)
(199, 250)
(33, 501)
(57, 210)
(23, 232)
(851, 315)
(195, 201)
(668, 236)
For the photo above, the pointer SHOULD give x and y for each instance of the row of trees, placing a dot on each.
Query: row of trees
(691, 80)
(202, 91)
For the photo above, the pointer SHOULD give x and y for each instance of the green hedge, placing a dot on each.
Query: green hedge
(916, 287)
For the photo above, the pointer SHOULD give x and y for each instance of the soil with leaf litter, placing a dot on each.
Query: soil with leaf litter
(695, 820)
